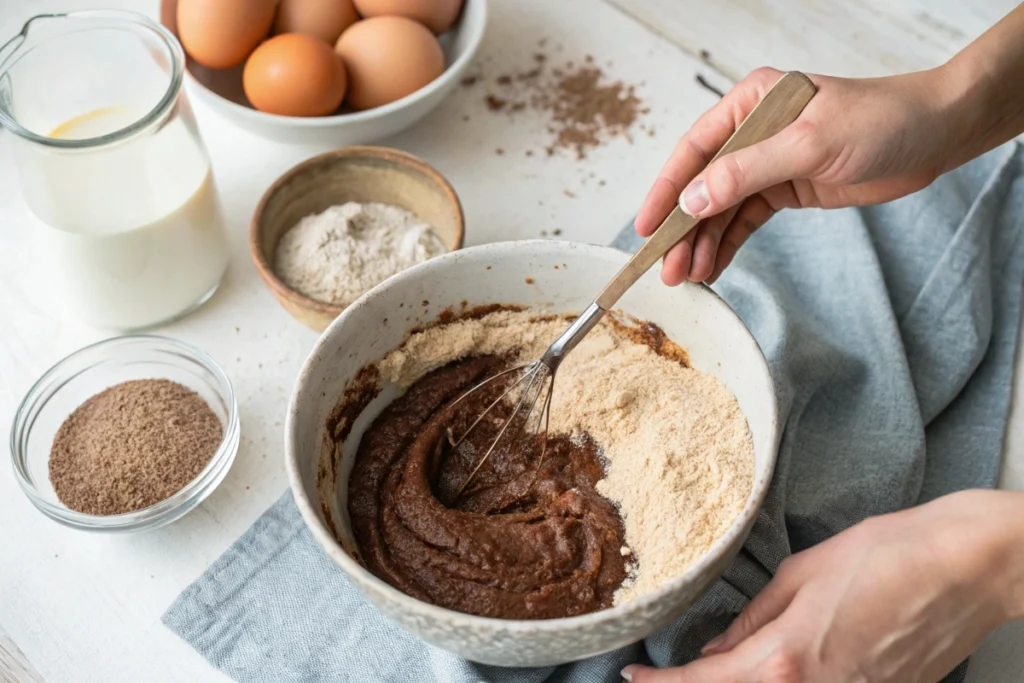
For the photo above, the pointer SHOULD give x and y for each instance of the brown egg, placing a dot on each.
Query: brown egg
(294, 75)
(437, 15)
(388, 58)
(325, 19)
(220, 34)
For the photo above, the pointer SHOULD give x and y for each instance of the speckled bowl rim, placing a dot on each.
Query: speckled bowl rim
(721, 547)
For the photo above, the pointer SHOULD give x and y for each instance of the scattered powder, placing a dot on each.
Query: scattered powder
(584, 109)
(679, 452)
(132, 446)
(337, 255)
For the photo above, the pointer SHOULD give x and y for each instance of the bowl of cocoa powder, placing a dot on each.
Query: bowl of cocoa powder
(127, 434)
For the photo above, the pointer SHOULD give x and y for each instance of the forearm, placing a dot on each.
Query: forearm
(985, 89)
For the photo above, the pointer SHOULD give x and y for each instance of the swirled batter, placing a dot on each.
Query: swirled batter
(528, 539)
(649, 461)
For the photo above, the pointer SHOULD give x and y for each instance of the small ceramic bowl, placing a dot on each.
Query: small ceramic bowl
(89, 371)
(221, 90)
(357, 174)
(558, 277)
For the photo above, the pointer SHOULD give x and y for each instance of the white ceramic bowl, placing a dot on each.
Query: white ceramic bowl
(565, 277)
(221, 90)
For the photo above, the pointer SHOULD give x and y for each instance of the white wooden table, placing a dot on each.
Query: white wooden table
(84, 608)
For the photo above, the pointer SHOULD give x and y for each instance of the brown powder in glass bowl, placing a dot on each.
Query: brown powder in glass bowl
(132, 446)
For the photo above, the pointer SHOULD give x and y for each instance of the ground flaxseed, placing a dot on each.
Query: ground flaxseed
(132, 446)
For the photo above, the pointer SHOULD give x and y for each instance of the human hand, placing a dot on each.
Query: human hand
(901, 598)
(858, 142)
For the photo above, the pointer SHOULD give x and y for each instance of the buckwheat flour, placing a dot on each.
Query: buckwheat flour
(132, 446)
(678, 449)
(336, 255)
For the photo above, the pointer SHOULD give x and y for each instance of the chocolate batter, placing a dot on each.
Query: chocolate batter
(525, 540)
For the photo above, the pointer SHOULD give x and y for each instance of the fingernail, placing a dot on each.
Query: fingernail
(627, 673)
(695, 198)
(715, 642)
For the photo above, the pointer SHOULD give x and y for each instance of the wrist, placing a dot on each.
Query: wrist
(959, 102)
(977, 94)
(1012, 551)
(993, 554)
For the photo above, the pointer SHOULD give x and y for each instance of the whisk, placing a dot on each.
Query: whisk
(779, 107)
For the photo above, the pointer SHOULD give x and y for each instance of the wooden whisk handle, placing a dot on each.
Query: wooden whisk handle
(779, 107)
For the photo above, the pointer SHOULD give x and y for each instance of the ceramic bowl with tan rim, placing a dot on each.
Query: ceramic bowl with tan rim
(557, 277)
(349, 174)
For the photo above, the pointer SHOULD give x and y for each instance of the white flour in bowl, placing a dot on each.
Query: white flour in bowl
(336, 255)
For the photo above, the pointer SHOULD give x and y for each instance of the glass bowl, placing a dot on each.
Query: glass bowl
(89, 371)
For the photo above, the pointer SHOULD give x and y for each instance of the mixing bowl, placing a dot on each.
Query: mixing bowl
(559, 277)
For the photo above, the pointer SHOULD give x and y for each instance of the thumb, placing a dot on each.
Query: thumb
(764, 608)
(790, 154)
(743, 665)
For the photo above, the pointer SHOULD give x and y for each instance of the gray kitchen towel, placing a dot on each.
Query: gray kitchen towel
(890, 332)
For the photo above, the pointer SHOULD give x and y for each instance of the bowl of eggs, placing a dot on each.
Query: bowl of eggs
(325, 72)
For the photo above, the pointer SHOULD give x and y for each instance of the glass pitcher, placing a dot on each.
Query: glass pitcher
(111, 161)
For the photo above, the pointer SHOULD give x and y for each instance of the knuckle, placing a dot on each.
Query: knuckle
(763, 74)
(711, 230)
(746, 623)
(696, 148)
(737, 235)
(725, 181)
(808, 137)
(806, 132)
(747, 228)
(785, 665)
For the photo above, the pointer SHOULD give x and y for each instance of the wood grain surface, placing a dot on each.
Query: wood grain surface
(86, 609)
(14, 667)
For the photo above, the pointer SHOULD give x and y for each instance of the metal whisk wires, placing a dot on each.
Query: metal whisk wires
(539, 377)
(539, 380)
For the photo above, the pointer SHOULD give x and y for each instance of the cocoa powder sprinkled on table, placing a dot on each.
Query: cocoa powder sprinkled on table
(584, 108)
(132, 446)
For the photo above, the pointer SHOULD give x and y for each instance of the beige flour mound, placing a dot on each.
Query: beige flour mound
(680, 456)
(336, 255)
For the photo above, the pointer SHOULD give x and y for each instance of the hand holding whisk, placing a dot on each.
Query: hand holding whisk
(779, 107)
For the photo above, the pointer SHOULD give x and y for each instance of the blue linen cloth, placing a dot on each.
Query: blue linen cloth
(890, 332)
